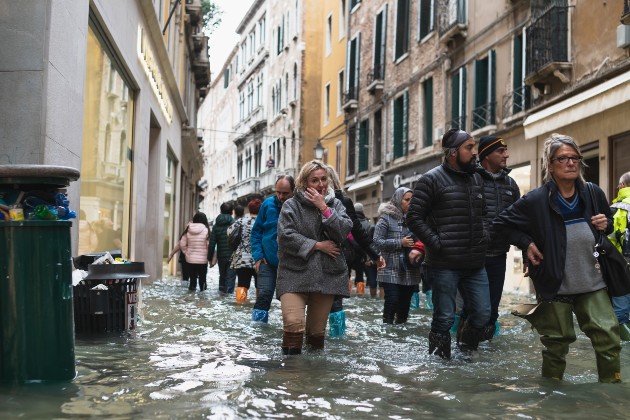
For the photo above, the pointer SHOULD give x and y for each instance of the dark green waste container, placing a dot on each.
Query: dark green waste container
(36, 312)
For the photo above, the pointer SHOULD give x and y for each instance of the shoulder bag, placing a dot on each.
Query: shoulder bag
(615, 269)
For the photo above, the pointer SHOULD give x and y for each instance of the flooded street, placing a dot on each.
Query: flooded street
(198, 355)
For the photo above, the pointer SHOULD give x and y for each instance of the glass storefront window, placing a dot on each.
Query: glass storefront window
(106, 166)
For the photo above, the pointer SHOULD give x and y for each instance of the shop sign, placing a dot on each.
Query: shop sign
(132, 310)
(151, 68)
(407, 176)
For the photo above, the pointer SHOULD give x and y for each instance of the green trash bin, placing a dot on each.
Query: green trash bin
(36, 312)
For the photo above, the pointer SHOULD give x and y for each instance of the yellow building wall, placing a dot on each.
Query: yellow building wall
(332, 129)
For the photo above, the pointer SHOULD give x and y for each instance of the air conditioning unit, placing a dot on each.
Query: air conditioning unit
(623, 36)
(439, 132)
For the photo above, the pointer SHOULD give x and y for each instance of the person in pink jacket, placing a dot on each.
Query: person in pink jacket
(194, 244)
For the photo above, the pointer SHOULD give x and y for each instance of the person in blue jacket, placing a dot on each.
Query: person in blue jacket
(264, 242)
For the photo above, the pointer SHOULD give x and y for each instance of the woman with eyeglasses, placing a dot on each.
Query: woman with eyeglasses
(560, 229)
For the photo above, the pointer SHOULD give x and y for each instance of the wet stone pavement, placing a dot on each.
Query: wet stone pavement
(198, 355)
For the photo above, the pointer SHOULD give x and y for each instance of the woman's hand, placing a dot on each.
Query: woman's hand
(329, 248)
(599, 221)
(415, 256)
(316, 198)
(407, 242)
(380, 263)
(533, 254)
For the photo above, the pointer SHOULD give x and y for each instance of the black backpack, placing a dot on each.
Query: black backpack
(234, 235)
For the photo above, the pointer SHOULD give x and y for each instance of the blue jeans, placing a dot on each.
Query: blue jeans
(227, 276)
(495, 269)
(473, 284)
(621, 305)
(266, 286)
(397, 300)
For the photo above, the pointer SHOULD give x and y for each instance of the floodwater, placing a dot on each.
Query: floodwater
(198, 355)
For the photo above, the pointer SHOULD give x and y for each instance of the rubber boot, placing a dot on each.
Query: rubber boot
(554, 322)
(241, 295)
(260, 315)
(468, 337)
(292, 343)
(415, 301)
(624, 331)
(599, 322)
(440, 345)
(337, 323)
(360, 288)
(315, 341)
(489, 332)
(428, 297)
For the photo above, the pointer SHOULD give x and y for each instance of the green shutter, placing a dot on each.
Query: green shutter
(398, 147)
(492, 81)
(455, 97)
(428, 112)
(463, 99)
(405, 123)
(364, 136)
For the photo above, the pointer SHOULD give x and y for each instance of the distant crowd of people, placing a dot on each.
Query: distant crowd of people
(447, 238)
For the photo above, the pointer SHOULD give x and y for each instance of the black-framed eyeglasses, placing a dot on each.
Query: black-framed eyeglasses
(564, 159)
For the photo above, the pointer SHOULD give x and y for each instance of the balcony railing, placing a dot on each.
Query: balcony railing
(350, 98)
(547, 39)
(625, 16)
(459, 122)
(452, 18)
(376, 77)
(517, 101)
(483, 115)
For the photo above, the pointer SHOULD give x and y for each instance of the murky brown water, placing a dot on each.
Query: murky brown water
(197, 355)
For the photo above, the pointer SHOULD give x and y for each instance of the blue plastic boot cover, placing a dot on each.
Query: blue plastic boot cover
(455, 323)
(260, 315)
(337, 323)
(429, 299)
(415, 301)
(496, 328)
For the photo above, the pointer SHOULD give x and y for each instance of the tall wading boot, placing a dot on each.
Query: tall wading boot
(315, 341)
(624, 331)
(599, 322)
(337, 323)
(440, 345)
(260, 315)
(415, 301)
(292, 343)
(241, 295)
(554, 322)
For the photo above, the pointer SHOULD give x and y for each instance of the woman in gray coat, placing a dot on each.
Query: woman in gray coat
(311, 268)
(401, 275)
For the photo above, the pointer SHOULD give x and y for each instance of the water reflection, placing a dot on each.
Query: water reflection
(199, 355)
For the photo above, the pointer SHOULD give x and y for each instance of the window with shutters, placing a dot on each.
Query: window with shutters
(353, 59)
(328, 35)
(520, 97)
(352, 139)
(377, 137)
(380, 39)
(402, 29)
(426, 18)
(400, 126)
(484, 100)
(326, 103)
(427, 93)
(364, 144)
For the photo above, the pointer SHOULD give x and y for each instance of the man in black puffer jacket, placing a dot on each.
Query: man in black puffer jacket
(447, 214)
(500, 191)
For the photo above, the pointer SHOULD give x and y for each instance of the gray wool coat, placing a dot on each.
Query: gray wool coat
(300, 269)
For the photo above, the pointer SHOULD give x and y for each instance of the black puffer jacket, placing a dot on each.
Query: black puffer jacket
(358, 231)
(537, 216)
(447, 214)
(500, 192)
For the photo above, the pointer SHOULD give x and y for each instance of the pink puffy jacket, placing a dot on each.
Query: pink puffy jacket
(194, 244)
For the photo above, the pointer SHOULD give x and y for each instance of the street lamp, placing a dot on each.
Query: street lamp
(234, 196)
(319, 150)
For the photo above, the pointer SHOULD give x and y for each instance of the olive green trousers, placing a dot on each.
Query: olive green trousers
(596, 318)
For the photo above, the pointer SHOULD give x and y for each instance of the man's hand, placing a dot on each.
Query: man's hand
(415, 256)
(533, 254)
(328, 247)
(257, 267)
(407, 242)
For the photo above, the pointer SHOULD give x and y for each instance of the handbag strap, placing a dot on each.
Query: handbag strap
(591, 193)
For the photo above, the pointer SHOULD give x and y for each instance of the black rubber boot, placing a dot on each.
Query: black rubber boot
(292, 343)
(488, 332)
(469, 337)
(315, 342)
(440, 345)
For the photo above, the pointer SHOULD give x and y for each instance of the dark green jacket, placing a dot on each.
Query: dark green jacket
(219, 238)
